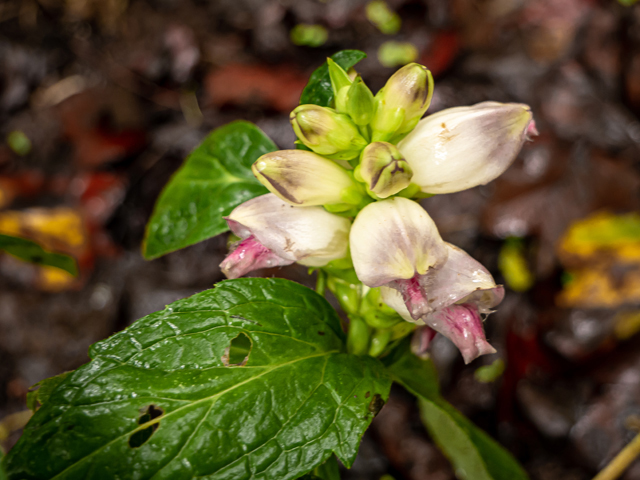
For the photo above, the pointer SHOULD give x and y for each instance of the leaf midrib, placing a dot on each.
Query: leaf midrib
(196, 402)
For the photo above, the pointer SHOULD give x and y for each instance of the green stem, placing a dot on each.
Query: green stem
(321, 282)
(364, 131)
(619, 464)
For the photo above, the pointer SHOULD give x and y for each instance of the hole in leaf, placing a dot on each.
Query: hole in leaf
(237, 353)
(376, 404)
(139, 438)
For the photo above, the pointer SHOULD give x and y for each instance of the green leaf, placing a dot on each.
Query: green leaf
(161, 400)
(318, 91)
(32, 252)
(45, 387)
(473, 454)
(215, 178)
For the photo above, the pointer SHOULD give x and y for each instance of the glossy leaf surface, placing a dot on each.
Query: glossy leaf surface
(318, 91)
(39, 393)
(30, 251)
(214, 179)
(160, 400)
(473, 454)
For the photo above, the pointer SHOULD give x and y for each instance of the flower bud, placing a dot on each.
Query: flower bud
(358, 336)
(339, 78)
(462, 147)
(359, 103)
(303, 178)
(376, 313)
(275, 233)
(401, 102)
(384, 169)
(379, 341)
(327, 132)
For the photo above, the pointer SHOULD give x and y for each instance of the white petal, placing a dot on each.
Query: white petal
(462, 147)
(394, 239)
(461, 279)
(310, 235)
(302, 178)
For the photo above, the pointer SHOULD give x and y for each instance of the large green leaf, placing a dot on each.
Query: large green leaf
(473, 453)
(214, 179)
(318, 91)
(32, 252)
(160, 399)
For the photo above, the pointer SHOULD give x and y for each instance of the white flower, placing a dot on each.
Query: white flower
(458, 293)
(275, 233)
(459, 148)
(394, 242)
(304, 178)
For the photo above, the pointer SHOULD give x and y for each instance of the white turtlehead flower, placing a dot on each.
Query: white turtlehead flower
(394, 242)
(459, 292)
(304, 178)
(275, 233)
(462, 147)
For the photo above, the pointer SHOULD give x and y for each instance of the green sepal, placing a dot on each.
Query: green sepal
(360, 104)
(339, 78)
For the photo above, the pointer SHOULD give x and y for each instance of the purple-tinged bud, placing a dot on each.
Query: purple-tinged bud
(462, 147)
(303, 178)
(384, 169)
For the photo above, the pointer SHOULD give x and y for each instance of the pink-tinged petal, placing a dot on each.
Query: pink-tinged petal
(250, 255)
(463, 326)
(413, 295)
(421, 341)
(307, 235)
(450, 300)
(532, 131)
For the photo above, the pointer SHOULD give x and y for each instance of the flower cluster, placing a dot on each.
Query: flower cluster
(345, 202)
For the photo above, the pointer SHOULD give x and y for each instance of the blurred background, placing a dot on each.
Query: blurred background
(101, 100)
